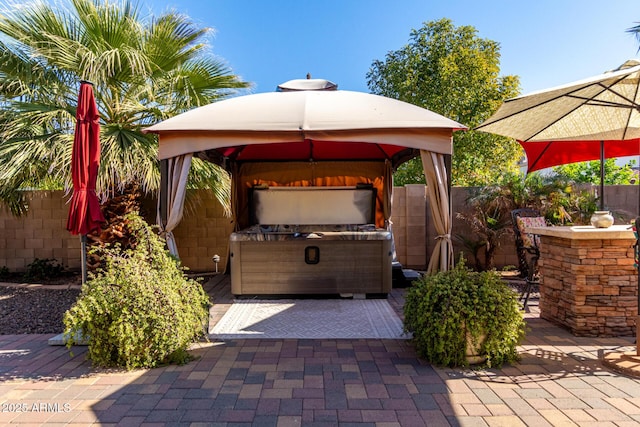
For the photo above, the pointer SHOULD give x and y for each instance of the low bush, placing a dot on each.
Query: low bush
(446, 310)
(4, 272)
(140, 310)
(46, 268)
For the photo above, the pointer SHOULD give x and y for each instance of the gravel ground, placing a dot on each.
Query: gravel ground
(34, 311)
(40, 310)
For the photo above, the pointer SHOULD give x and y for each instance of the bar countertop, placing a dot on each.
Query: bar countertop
(584, 232)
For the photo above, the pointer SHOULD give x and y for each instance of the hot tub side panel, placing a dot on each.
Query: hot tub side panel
(310, 267)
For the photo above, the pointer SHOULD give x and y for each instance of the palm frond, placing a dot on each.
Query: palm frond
(144, 71)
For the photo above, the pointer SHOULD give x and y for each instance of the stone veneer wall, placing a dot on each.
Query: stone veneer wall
(599, 297)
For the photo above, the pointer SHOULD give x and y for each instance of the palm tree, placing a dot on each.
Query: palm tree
(145, 69)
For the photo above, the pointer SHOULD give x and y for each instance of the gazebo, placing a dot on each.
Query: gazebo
(309, 134)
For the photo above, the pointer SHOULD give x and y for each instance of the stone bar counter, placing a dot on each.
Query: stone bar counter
(589, 282)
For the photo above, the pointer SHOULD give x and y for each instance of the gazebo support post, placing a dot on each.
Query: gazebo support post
(447, 164)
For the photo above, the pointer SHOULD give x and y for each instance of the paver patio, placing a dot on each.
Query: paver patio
(559, 382)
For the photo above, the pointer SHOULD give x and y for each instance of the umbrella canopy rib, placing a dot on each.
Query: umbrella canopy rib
(546, 147)
(637, 107)
(585, 110)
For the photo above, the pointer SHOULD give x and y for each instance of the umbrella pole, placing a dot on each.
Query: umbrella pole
(637, 258)
(601, 175)
(636, 249)
(83, 257)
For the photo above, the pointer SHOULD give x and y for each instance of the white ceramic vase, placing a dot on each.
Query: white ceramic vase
(602, 219)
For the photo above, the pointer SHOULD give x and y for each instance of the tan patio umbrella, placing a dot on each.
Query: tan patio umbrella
(594, 118)
(598, 117)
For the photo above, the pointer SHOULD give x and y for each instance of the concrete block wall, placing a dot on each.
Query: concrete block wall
(623, 200)
(204, 230)
(415, 235)
(410, 225)
(40, 234)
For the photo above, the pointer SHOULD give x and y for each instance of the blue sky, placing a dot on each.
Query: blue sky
(545, 42)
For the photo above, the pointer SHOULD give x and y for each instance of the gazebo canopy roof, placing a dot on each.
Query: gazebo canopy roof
(306, 125)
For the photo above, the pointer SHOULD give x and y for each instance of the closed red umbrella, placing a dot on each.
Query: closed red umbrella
(84, 211)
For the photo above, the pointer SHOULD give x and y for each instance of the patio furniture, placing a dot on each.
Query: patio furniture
(527, 246)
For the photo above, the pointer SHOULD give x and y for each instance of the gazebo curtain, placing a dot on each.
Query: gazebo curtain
(177, 174)
(435, 173)
(437, 190)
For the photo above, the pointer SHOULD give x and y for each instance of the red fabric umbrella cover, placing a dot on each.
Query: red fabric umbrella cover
(84, 213)
(542, 155)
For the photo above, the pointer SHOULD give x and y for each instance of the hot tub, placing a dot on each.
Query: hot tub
(317, 258)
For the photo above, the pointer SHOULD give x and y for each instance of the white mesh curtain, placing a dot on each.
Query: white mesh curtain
(435, 172)
(178, 172)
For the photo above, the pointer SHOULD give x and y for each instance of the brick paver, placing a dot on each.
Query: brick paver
(559, 381)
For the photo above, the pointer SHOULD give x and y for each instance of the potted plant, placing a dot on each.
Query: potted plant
(456, 313)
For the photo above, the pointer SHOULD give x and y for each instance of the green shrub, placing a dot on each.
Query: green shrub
(141, 310)
(4, 272)
(444, 309)
(41, 269)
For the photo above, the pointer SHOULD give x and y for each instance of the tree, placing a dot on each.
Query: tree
(453, 72)
(145, 69)
(589, 172)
